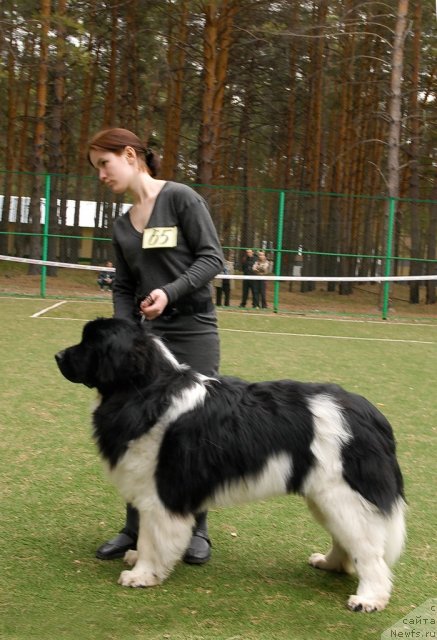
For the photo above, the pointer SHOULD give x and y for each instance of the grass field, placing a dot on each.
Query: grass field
(57, 506)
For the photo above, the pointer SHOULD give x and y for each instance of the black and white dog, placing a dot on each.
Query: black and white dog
(177, 443)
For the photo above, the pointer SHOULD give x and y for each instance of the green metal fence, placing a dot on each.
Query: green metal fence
(337, 238)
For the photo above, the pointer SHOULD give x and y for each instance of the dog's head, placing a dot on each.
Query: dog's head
(112, 353)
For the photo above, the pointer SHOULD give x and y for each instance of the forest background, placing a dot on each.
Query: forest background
(330, 106)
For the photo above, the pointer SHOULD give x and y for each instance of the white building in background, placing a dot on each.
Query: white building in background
(19, 211)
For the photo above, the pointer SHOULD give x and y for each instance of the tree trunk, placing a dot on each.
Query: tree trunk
(346, 155)
(395, 114)
(10, 140)
(287, 146)
(224, 41)
(431, 249)
(216, 43)
(110, 93)
(69, 248)
(414, 121)
(314, 141)
(56, 162)
(128, 89)
(39, 139)
(176, 62)
(21, 242)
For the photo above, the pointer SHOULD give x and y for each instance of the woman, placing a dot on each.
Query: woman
(261, 267)
(166, 254)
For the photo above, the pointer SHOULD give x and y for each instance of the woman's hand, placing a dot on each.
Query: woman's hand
(154, 304)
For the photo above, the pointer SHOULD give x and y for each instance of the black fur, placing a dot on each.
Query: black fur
(238, 427)
(177, 443)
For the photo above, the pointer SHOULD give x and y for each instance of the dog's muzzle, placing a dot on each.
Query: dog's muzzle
(59, 357)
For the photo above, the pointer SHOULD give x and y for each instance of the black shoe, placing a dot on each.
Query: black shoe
(117, 547)
(199, 551)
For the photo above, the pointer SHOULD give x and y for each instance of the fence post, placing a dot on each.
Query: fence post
(389, 256)
(45, 238)
(278, 255)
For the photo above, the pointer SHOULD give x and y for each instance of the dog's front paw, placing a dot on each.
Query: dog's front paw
(318, 561)
(367, 605)
(325, 563)
(330, 562)
(131, 557)
(134, 578)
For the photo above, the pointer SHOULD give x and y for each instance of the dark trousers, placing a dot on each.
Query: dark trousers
(103, 284)
(131, 526)
(223, 293)
(250, 286)
(261, 293)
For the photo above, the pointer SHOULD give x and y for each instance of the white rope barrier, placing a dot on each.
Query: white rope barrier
(329, 278)
(51, 263)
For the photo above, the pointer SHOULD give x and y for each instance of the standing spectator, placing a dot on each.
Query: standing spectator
(106, 278)
(223, 286)
(249, 285)
(262, 266)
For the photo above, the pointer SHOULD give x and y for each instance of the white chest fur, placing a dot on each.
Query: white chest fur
(134, 473)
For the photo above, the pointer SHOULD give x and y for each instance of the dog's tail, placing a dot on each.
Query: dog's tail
(395, 532)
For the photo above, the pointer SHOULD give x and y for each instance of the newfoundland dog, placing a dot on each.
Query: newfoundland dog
(176, 443)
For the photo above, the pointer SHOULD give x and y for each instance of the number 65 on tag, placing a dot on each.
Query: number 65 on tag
(160, 237)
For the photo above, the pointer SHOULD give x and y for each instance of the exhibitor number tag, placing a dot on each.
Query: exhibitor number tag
(160, 237)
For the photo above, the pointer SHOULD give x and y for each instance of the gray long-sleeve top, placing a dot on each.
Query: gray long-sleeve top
(183, 271)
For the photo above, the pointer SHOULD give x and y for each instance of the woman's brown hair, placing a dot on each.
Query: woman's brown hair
(115, 140)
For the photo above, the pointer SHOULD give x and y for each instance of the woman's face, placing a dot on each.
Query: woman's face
(115, 170)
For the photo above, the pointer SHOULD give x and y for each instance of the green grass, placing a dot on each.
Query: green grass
(57, 505)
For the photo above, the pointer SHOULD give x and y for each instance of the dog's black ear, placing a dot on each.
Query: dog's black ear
(113, 360)
(120, 352)
(109, 345)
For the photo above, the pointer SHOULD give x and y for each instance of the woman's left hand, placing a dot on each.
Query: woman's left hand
(154, 304)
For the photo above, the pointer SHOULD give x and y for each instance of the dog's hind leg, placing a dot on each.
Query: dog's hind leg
(360, 534)
(162, 541)
(383, 544)
(337, 559)
(374, 585)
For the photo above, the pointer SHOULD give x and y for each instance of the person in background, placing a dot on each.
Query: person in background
(106, 278)
(249, 285)
(167, 252)
(261, 267)
(223, 286)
